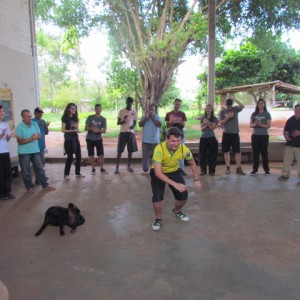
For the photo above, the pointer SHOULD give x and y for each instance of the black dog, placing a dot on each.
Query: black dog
(60, 216)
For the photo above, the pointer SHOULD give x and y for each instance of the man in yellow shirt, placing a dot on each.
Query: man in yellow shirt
(165, 169)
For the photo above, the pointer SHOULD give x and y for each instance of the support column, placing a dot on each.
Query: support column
(211, 51)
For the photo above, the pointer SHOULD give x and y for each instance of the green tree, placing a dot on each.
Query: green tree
(65, 94)
(251, 64)
(124, 79)
(53, 67)
(154, 35)
(66, 14)
(153, 38)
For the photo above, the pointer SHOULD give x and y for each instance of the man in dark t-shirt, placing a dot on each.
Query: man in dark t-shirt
(95, 126)
(291, 134)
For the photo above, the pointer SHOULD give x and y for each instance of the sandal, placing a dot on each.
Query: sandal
(49, 188)
(30, 191)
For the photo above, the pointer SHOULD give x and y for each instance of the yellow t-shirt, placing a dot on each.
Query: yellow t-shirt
(170, 162)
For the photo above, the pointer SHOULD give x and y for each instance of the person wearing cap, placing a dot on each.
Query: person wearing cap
(95, 125)
(231, 138)
(166, 170)
(43, 125)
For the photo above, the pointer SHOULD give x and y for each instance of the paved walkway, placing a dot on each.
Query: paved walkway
(242, 241)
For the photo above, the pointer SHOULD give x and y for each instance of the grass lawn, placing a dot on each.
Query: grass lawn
(113, 129)
(192, 128)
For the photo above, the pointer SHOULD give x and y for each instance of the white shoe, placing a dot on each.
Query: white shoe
(80, 175)
(180, 215)
(156, 224)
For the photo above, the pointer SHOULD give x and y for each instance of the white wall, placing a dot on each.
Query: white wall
(17, 67)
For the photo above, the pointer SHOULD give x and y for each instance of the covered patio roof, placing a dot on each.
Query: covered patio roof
(259, 88)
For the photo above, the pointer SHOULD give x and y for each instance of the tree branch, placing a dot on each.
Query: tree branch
(162, 21)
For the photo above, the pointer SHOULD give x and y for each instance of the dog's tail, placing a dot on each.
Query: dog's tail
(40, 230)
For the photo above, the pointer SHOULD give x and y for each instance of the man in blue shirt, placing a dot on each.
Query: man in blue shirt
(38, 114)
(151, 124)
(27, 134)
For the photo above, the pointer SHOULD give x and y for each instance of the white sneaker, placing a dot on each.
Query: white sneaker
(156, 224)
(180, 215)
(80, 175)
(67, 177)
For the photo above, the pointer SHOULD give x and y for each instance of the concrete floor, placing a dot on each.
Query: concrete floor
(242, 241)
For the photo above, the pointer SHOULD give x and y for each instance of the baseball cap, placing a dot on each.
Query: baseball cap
(38, 110)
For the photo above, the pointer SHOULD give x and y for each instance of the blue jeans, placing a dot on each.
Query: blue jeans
(35, 159)
(147, 153)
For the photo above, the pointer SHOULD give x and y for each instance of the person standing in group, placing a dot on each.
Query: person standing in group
(177, 118)
(231, 138)
(291, 133)
(260, 121)
(43, 125)
(208, 145)
(69, 127)
(165, 169)
(127, 118)
(95, 125)
(27, 134)
(151, 124)
(5, 165)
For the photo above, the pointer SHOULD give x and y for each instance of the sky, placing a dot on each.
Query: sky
(94, 50)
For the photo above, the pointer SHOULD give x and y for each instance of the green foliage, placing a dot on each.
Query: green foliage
(53, 67)
(257, 16)
(64, 95)
(67, 14)
(113, 99)
(257, 63)
(155, 35)
(152, 38)
(123, 79)
(170, 95)
(239, 67)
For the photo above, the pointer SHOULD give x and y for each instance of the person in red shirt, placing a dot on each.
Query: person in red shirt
(177, 118)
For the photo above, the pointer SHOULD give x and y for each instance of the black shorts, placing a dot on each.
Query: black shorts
(91, 147)
(158, 186)
(231, 140)
(127, 138)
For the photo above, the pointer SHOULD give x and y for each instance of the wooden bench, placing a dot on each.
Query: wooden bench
(246, 151)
